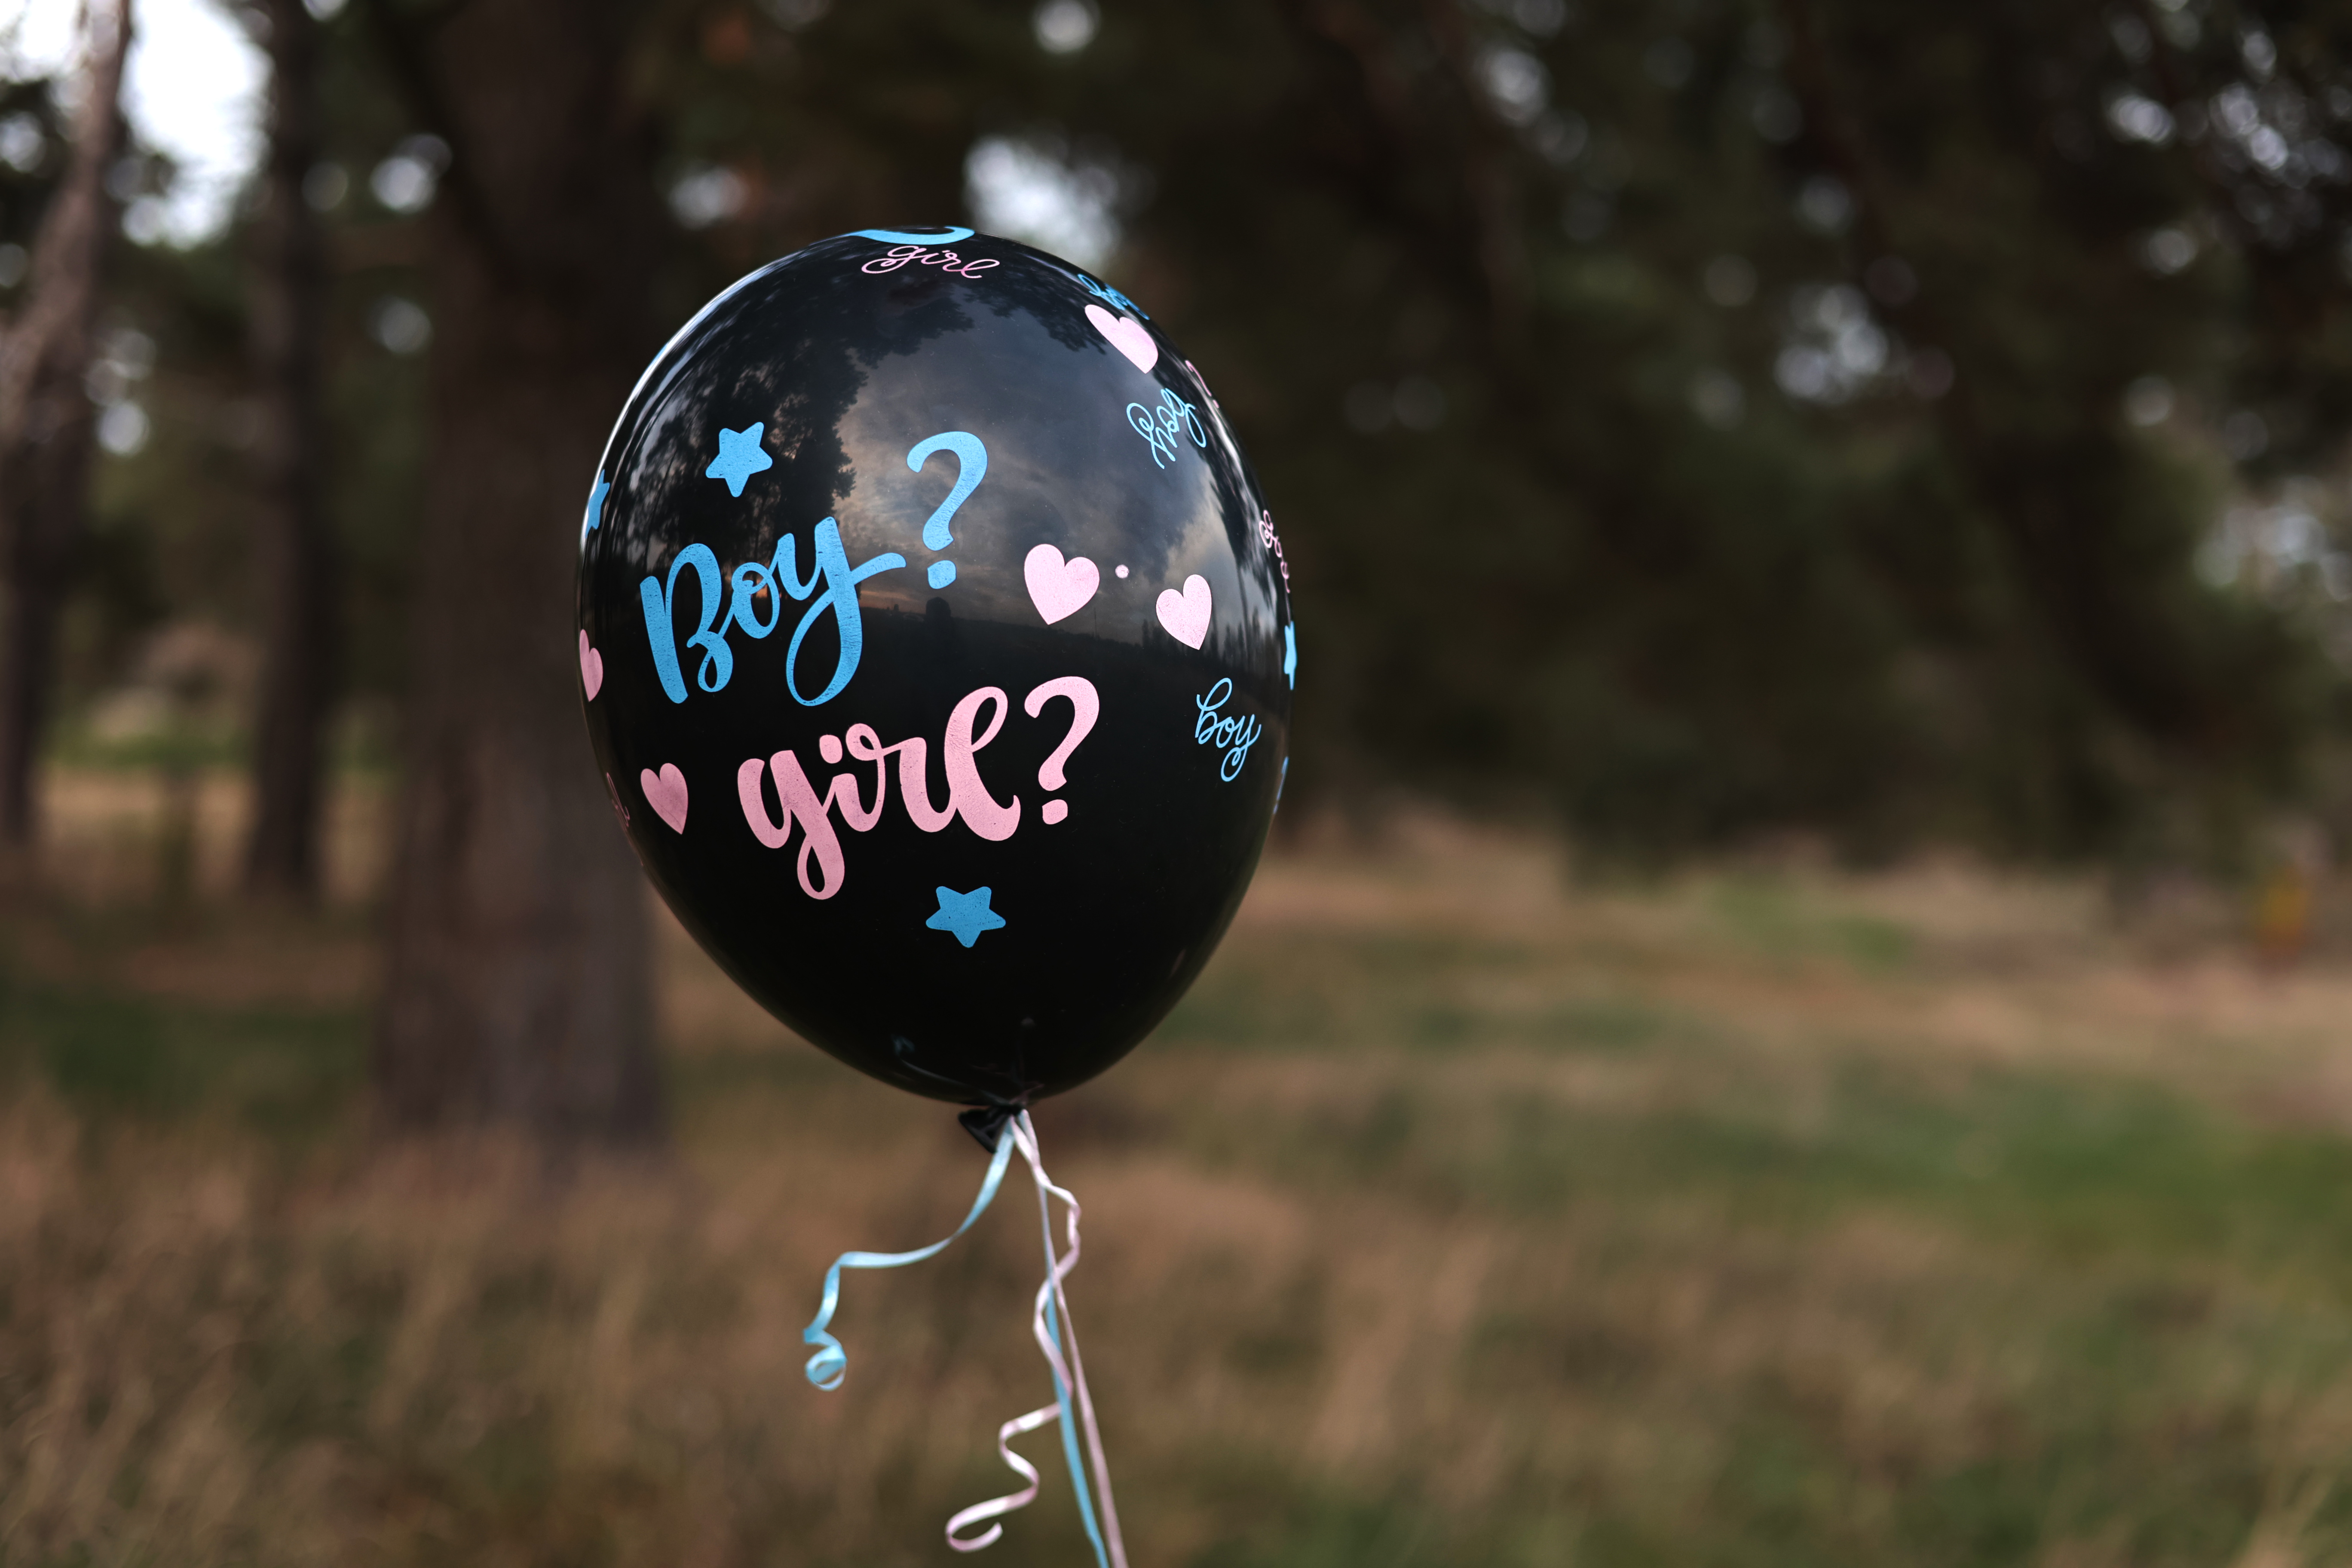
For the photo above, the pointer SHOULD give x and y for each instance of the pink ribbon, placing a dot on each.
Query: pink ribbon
(1049, 1322)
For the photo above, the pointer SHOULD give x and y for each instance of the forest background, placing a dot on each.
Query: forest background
(1695, 425)
(1698, 419)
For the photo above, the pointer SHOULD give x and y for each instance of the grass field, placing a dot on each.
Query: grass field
(1461, 1216)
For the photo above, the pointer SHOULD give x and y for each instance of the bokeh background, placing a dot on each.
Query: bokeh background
(1798, 1009)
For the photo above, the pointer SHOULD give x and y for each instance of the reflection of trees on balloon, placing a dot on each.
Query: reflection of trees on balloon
(1230, 646)
(800, 394)
(1040, 293)
(816, 470)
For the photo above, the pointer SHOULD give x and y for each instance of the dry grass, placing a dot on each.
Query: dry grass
(1461, 1216)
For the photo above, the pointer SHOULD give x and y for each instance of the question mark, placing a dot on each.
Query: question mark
(1086, 706)
(972, 458)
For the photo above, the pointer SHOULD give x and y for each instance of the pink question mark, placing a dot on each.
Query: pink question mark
(1086, 706)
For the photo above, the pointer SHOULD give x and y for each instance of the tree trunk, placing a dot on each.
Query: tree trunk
(46, 426)
(296, 550)
(519, 989)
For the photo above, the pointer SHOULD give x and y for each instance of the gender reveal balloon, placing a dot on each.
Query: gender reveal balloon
(936, 647)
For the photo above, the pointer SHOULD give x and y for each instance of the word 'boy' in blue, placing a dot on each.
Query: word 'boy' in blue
(830, 570)
(1233, 735)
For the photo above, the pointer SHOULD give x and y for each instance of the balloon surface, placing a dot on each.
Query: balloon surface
(935, 644)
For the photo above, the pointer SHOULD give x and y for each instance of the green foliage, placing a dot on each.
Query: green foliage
(288, 1073)
(1706, 416)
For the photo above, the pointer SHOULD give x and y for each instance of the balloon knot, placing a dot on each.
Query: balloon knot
(986, 1122)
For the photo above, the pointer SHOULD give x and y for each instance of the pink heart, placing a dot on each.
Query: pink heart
(1186, 614)
(591, 668)
(1128, 335)
(666, 793)
(1059, 588)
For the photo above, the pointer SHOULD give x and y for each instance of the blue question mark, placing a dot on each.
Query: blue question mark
(972, 461)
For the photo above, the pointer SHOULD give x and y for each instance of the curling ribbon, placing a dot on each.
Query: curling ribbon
(830, 1364)
(1069, 1377)
(1050, 1322)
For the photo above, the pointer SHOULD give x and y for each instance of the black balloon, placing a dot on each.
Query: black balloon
(936, 648)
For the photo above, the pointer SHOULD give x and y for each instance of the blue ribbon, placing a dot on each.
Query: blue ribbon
(830, 1364)
(1070, 1449)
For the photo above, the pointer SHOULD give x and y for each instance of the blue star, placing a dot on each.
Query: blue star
(1290, 654)
(739, 456)
(965, 914)
(597, 502)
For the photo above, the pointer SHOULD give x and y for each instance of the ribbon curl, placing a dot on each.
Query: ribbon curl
(1073, 1406)
(830, 1364)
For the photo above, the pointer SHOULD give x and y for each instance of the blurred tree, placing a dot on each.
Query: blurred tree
(298, 583)
(1708, 417)
(2044, 208)
(1744, 553)
(45, 421)
(519, 987)
(1711, 414)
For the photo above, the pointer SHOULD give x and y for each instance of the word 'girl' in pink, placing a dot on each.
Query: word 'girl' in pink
(968, 795)
(898, 255)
